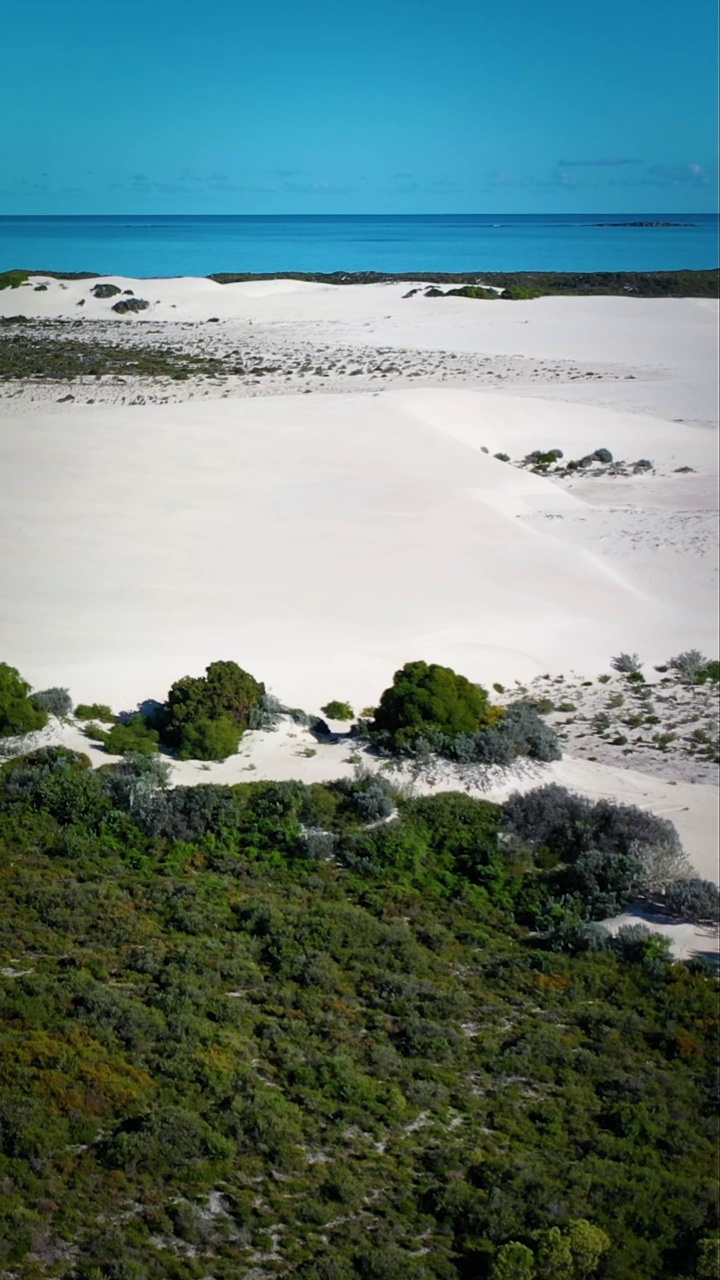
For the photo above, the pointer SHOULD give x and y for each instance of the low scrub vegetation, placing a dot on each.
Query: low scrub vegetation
(348, 1032)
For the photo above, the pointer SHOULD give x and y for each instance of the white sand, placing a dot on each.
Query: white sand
(322, 541)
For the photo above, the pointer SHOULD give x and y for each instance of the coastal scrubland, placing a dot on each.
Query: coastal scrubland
(401, 976)
(335, 1031)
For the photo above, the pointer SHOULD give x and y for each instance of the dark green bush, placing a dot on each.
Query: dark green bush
(126, 305)
(425, 701)
(205, 716)
(210, 739)
(12, 279)
(58, 781)
(18, 714)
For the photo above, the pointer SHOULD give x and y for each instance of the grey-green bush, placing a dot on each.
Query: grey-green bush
(693, 899)
(56, 702)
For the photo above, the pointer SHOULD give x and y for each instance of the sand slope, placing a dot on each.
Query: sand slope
(319, 541)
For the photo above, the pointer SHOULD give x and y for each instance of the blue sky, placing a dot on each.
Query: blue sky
(387, 106)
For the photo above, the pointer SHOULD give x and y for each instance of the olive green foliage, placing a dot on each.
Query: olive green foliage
(426, 700)
(228, 1008)
(207, 739)
(336, 710)
(205, 716)
(132, 734)
(18, 713)
(12, 279)
(94, 711)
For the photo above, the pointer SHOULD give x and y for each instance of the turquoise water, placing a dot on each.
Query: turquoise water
(166, 245)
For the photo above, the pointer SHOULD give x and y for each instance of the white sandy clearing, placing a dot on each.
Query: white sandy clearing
(320, 541)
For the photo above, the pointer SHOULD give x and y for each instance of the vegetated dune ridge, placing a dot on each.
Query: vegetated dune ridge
(323, 540)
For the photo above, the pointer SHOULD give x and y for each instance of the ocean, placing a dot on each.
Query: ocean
(177, 245)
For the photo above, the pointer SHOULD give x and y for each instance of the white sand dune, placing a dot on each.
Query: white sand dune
(320, 541)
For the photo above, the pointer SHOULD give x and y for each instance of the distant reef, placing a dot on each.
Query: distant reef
(645, 224)
(516, 285)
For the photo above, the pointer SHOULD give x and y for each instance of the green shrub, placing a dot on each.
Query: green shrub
(18, 714)
(574, 827)
(225, 697)
(426, 700)
(12, 279)
(210, 739)
(94, 711)
(131, 735)
(59, 781)
(336, 710)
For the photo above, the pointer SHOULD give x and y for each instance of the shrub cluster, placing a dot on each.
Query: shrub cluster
(205, 717)
(18, 712)
(693, 899)
(431, 710)
(603, 853)
(94, 711)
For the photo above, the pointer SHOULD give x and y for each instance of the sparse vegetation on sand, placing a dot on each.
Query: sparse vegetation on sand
(665, 724)
(26, 351)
